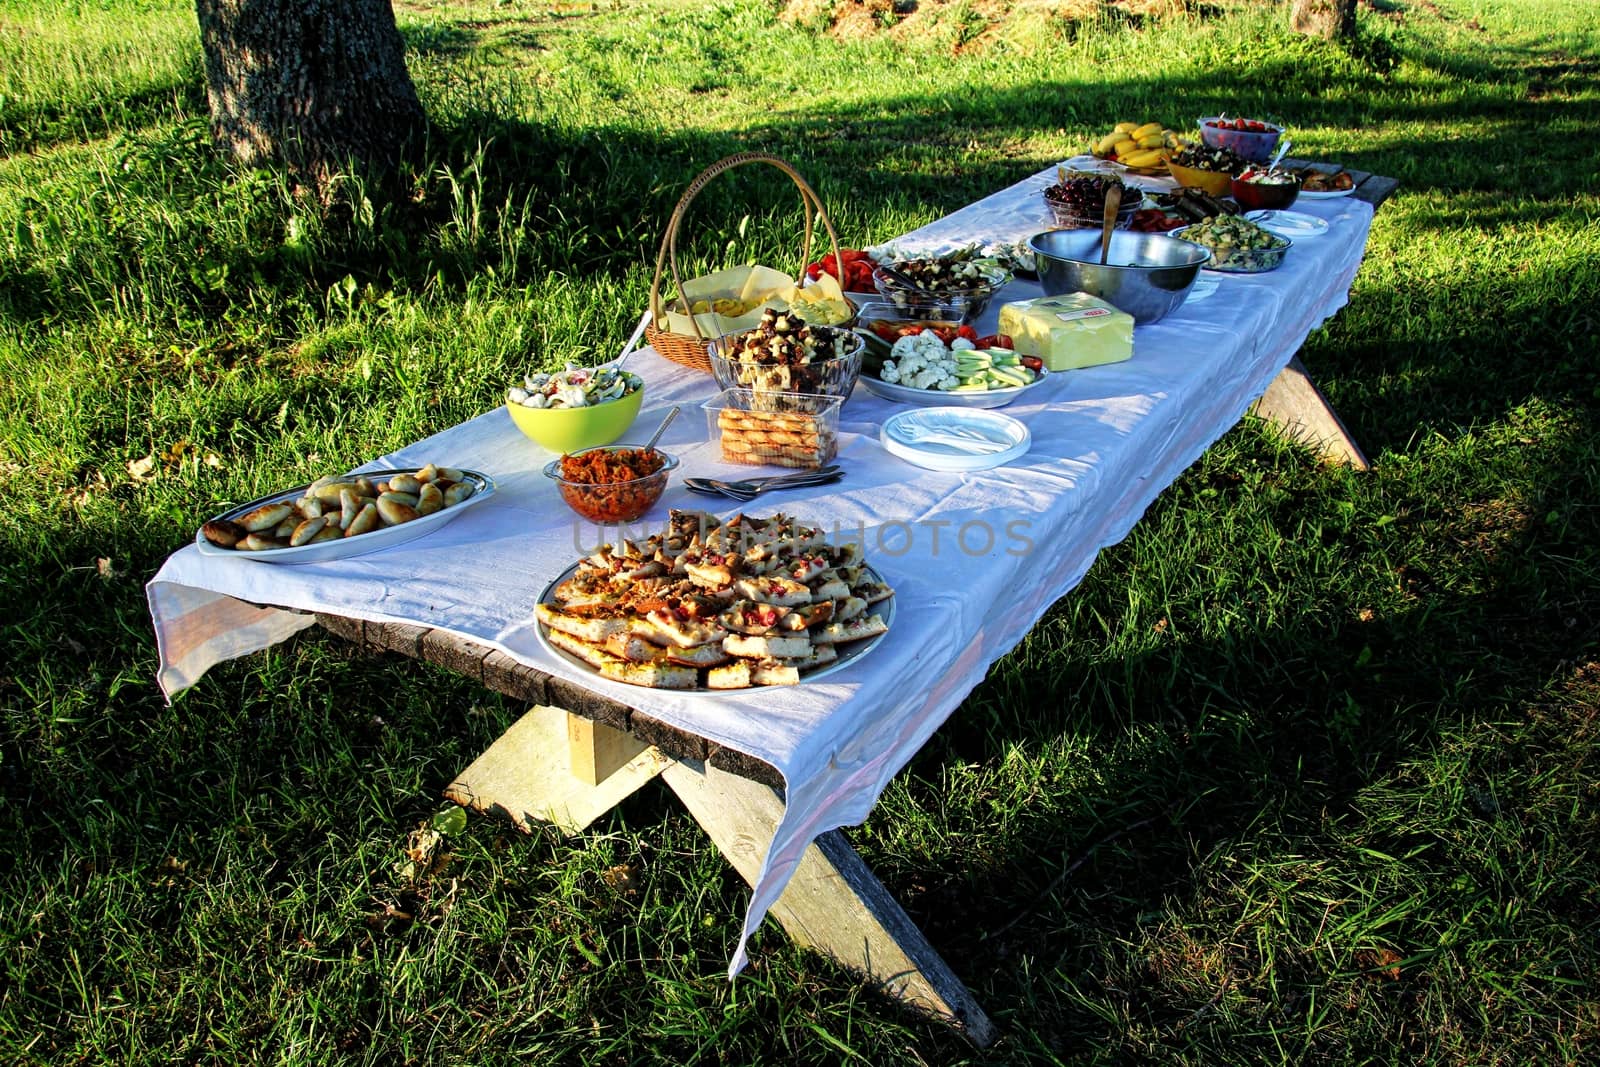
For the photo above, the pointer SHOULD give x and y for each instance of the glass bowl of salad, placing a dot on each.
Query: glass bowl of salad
(967, 281)
(1237, 245)
(576, 408)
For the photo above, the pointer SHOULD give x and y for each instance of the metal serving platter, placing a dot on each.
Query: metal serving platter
(345, 547)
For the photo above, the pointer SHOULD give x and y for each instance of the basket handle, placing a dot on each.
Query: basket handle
(668, 255)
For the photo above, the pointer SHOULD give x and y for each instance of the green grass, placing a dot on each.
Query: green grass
(1303, 772)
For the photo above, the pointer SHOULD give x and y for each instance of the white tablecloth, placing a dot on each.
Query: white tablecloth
(976, 559)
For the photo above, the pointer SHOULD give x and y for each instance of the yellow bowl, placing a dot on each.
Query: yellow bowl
(1215, 182)
(572, 429)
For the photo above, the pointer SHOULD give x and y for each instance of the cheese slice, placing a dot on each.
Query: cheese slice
(1068, 331)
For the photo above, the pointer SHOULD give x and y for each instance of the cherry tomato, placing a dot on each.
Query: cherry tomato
(1033, 363)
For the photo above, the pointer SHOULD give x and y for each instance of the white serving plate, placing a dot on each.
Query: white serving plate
(996, 439)
(905, 394)
(345, 547)
(1292, 224)
(849, 652)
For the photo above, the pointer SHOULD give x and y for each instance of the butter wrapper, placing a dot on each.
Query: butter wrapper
(1069, 331)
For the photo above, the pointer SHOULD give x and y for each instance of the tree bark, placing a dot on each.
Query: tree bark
(1332, 20)
(317, 85)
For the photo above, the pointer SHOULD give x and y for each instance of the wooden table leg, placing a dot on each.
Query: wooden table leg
(553, 766)
(834, 903)
(1297, 407)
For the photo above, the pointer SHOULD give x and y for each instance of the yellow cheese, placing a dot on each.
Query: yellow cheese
(1068, 331)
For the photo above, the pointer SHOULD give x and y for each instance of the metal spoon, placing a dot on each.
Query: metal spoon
(651, 444)
(1283, 149)
(638, 331)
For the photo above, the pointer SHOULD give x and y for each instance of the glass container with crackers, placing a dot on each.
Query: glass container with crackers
(775, 429)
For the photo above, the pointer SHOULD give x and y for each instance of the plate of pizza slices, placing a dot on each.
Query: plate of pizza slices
(714, 606)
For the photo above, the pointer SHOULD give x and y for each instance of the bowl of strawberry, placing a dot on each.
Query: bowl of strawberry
(856, 276)
(1251, 138)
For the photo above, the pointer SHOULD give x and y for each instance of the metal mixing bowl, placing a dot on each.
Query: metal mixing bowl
(1147, 274)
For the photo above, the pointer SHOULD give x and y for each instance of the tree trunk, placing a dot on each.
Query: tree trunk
(317, 85)
(1332, 20)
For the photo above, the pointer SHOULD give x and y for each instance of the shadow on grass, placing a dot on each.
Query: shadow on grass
(1284, 724)
(1269, 731)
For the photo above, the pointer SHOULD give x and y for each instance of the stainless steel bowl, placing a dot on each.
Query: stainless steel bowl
(1147, 274)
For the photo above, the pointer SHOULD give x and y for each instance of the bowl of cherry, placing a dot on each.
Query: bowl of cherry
(1078, 201)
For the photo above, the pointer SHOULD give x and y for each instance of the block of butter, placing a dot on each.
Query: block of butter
(1068, 331)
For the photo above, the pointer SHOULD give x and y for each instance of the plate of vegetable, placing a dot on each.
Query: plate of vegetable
(945, 365)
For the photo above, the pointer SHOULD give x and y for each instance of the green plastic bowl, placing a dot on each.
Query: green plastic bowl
(574, 429)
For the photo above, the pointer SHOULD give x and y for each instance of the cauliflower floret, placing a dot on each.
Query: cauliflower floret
(961, 344)
(904, 346)
(889, 372)
(948, 382)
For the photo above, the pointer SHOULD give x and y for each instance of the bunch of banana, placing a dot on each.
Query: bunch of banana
(1139, 145)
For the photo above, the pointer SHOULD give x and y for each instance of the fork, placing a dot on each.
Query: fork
(749, 488)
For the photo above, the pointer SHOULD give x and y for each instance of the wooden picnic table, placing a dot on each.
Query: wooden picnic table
(578, 753)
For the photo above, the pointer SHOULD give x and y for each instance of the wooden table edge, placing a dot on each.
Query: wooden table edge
(504, 674)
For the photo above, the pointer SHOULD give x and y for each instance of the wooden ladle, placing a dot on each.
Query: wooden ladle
(1113, 204)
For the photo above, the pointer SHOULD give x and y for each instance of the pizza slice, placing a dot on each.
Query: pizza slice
(583, 627)
(735, 675)
(872, 591)
(828, 586)
(653, 675)
(713, 571)
(767, 646)
(850, 607)
(774, 589)
(710, 655)
(593, 655)
(771, 672)
(835, 633)
(631, 647)
(805, 567)
(749, 617)
(808, 615)
(684, 630)
(587, 589)
(817, 657)
(845, 555)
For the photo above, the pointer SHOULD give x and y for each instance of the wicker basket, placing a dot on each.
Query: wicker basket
(689, 350)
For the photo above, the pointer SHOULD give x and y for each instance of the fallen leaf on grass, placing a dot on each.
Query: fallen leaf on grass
(624, 878)
(142, 470)
(105, 568)
(1380, 963)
